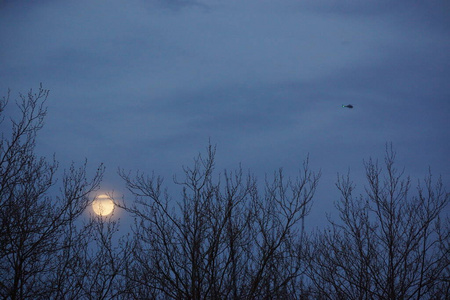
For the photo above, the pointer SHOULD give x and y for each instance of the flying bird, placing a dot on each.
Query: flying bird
(348, 106)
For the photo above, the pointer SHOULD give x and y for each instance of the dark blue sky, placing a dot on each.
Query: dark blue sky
(144, 84)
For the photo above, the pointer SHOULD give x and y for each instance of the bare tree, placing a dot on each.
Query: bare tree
(41, 243)
(107, 259)
(221, 239)
(388, 244)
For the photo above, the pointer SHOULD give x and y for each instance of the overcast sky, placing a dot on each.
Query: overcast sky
(142, 84)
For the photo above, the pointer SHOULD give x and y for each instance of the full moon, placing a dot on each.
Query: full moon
(103, 205)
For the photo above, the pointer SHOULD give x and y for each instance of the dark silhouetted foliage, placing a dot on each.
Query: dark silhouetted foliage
(224, 236)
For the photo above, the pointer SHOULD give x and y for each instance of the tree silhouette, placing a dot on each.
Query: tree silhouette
(224, 236)
(223, 239)
(388, 244)
(41, 245)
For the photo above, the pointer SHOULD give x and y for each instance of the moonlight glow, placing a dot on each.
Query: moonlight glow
(103, 205)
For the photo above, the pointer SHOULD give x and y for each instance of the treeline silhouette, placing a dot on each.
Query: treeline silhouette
(224, 237)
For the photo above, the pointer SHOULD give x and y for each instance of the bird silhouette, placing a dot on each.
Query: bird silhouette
(348, 106)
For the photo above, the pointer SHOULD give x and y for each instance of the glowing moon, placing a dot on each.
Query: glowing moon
(103, 205)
